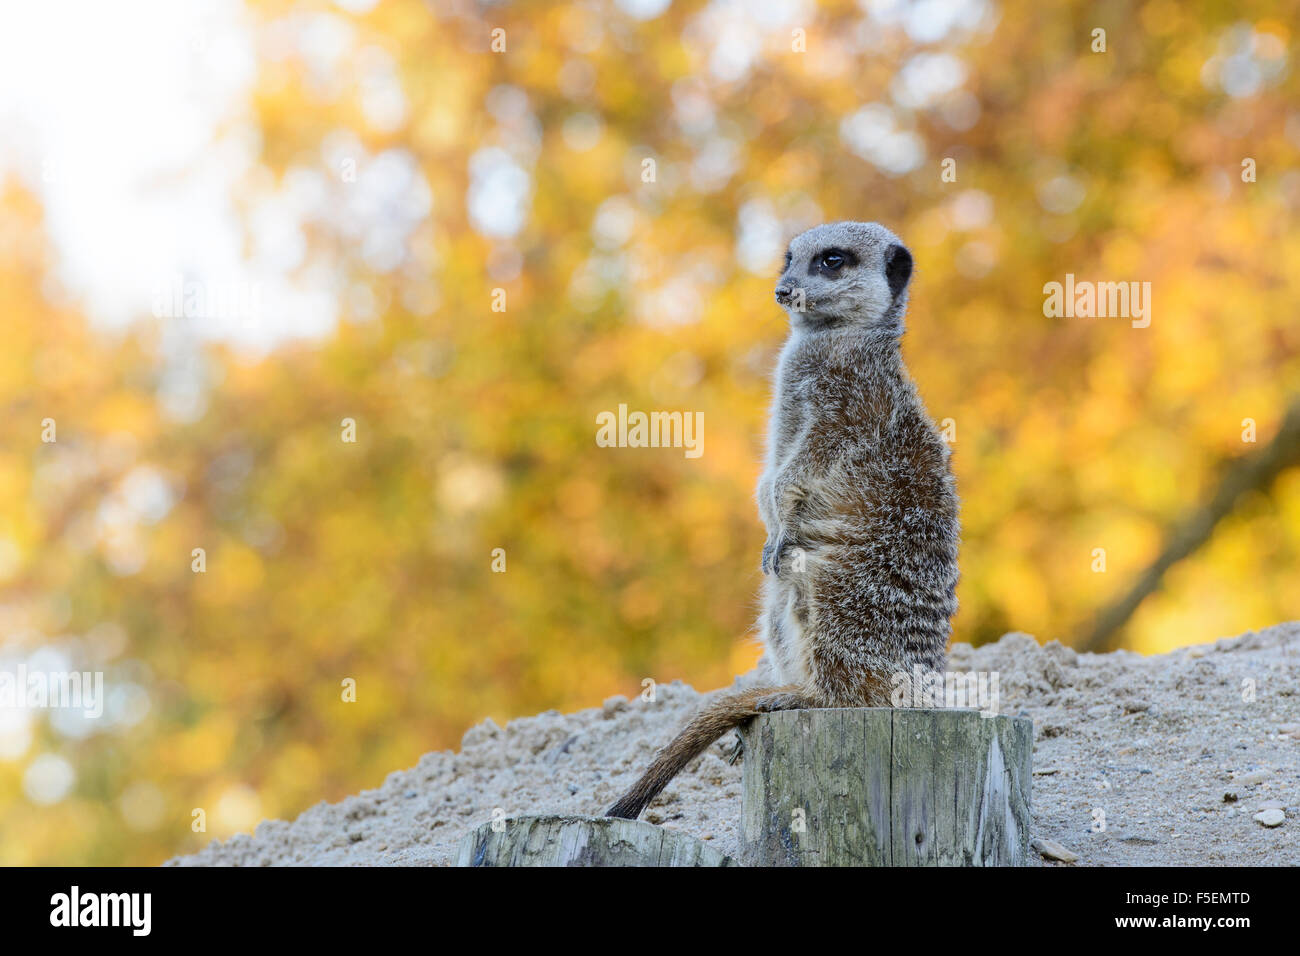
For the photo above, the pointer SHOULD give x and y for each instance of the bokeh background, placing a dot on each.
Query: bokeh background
(344, 185)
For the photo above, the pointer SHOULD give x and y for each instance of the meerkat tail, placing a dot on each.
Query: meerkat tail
(722, 715)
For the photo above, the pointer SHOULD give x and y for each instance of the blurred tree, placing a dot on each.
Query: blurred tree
(1254, 473)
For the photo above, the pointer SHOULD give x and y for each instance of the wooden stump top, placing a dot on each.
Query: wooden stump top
(553, 840)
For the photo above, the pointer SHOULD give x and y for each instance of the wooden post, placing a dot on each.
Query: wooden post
(880, 786)
(584, 841)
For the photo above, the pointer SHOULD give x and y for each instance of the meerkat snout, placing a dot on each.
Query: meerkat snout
(845, 273)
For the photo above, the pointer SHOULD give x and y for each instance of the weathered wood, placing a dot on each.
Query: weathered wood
(584, 841)
(886, 787)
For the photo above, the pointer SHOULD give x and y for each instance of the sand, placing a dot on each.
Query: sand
(1137, 760)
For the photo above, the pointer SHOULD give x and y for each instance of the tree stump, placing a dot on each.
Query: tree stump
(584, 841)
(878, 786)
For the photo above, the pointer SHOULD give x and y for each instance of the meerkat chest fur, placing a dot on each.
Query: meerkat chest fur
(857, 493)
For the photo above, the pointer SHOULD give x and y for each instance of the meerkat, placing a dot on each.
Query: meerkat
(857, 495)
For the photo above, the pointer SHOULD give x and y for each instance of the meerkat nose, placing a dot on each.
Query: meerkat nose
(783, 293)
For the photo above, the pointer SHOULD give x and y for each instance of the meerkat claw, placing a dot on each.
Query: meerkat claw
(772, 554)
(774, 702)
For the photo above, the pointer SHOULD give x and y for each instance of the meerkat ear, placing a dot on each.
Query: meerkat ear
(898, 268)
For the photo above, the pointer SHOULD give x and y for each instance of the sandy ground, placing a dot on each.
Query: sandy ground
(1137, 760)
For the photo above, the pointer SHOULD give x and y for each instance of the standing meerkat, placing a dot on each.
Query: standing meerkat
(860, 564)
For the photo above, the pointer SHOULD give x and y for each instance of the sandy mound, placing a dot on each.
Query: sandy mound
(1175, 751)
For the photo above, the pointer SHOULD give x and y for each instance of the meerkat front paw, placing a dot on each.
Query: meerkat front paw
(772, 552)
(784, 701)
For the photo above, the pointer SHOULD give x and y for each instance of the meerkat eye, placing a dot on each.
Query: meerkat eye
(832, 259)
(788, 259)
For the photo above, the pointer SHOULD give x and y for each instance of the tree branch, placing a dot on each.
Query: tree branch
(1251, 473)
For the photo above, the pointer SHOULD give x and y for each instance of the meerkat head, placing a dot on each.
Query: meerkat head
(845, 273)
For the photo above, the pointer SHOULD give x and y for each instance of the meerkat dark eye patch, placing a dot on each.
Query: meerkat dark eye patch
(830, 261)
(898, 268)
(788, 259)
